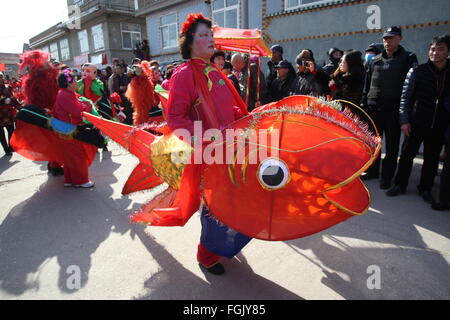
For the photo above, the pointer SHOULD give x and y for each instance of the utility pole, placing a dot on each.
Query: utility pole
(209, 3)
(245, 22)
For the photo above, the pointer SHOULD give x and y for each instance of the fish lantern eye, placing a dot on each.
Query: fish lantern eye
(273, 174)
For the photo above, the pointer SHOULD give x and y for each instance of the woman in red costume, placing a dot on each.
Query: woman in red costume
(200, 92)
(69, 109)
(61, 137)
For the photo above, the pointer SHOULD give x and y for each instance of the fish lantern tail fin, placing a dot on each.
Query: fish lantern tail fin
(135, 140)
(142, 178)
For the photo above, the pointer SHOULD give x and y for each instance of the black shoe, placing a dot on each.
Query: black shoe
(369, 176)
(440, 206)
(57, 172)
(9, 151)
(384, 185)
(427, 196)
(216, 269)
(395, 191)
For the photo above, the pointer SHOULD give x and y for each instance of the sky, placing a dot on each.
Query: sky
(23, 19)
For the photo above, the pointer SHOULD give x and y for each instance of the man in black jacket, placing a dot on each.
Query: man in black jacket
(381, 98)
(281, 86)
(277, 56)
(425, 89)
(444, 188)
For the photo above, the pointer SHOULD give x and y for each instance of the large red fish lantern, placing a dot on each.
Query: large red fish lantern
(306, 180)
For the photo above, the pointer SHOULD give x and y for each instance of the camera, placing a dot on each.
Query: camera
(303, 63)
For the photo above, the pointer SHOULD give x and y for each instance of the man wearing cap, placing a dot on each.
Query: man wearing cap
(335, 55)
(381, 98)
(372, 51)
(277, 56)
(281, 86)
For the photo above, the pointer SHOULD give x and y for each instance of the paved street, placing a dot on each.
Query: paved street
(45, 229)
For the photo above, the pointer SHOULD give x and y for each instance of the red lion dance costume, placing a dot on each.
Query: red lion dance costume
(141, 92)
(39, 79)
(39, 88)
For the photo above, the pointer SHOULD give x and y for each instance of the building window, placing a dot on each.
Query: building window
(84, 42)
(168, 26)
(295, 4)
(136, 5)
(97, 59)
(131, 34)
(65, 51)
(226, 13)
(54, 51)
(97, 35)
(78, 3)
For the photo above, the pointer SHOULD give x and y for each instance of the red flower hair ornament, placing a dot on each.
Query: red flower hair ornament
(191, 19)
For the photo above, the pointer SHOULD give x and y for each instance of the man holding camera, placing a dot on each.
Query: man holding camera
(310, 80)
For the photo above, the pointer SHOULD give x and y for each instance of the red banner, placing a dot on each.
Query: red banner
(105, 59)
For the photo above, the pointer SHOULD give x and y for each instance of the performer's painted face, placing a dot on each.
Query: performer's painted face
(89, 72)
(203, 44)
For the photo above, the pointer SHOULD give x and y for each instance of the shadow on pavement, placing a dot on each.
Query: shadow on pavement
(175, 282)
(39, 229)
(389, 236)
(6, 163)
